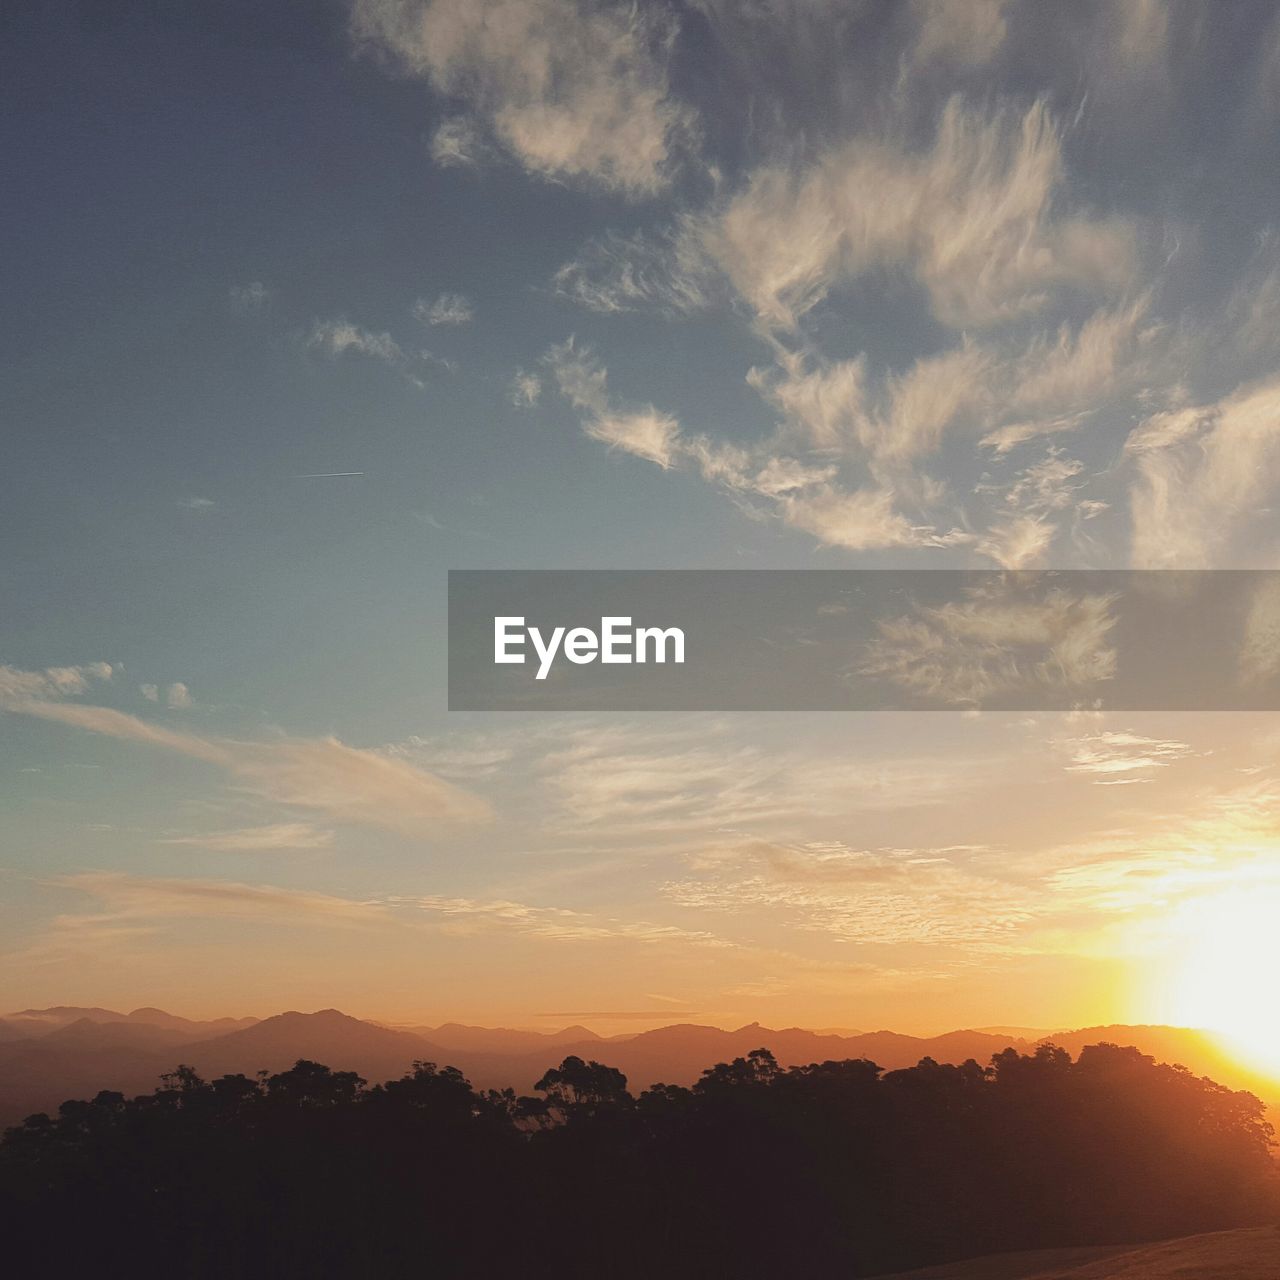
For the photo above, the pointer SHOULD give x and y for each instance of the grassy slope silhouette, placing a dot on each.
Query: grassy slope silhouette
(1249, 1254)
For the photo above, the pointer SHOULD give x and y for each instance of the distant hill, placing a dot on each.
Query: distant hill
(55, 1054)
(679, 1054)
(467, 1039)
(1021, 1033)
(1198, 1051)
(38, 1022)
(86, 1034)
(32, 1023)
(1250, 1254)
(328, 1036)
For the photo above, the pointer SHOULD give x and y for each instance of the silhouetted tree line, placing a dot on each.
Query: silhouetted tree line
(836, 1168)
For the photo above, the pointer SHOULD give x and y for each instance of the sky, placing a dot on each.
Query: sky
(308, 303)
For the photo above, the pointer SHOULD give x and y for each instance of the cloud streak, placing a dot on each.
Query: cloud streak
(348, 784)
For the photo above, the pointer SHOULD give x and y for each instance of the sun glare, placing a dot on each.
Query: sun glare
(1225, 974)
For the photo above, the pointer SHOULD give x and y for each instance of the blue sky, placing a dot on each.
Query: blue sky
(597, 285)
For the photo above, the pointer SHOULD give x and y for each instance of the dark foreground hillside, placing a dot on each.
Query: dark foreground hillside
(836, 1168)
(1251, 1253)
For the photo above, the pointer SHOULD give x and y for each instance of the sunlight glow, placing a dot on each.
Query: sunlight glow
(1225, 974)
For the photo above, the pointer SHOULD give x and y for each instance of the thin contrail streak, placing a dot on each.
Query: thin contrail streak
(326, 475)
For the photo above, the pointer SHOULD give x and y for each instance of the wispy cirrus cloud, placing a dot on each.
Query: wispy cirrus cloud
(1199, 476)
(979, 218)
(349, 784)
(848, 462)
(525, 389)
(452, 309)
(1116, 758)
(661, 786)
(571, 90)
(132, 910)
(19, 687)
(141, 898)
(649, 782)
(802, 496)
(340, 337)
(556, 924)
(263, 839)
(998, 639)
(971, 217)
(943, 897)
(1214, 841)
(667, 272)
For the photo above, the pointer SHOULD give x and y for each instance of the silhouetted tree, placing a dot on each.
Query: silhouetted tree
(757, 1170)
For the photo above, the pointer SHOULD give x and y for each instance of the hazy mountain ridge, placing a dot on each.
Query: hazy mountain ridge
(462, 1037)
(77, 1052)
(34, 1023)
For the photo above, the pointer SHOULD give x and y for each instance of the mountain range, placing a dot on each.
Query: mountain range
(50, 1055)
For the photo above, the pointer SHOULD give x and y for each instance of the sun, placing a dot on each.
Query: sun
(1226, 971)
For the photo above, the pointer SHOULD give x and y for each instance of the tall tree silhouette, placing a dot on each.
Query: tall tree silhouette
(836, 1167)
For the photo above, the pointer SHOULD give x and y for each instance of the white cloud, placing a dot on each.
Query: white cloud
(581, 378)
(1202, 475)
(1085, 367)
(1001, 638)
(525, 389)
(1004, 439)
(858, 521)
(570, 89)
(19, 687)
(971, 217)
(646, 434)
(447, 309)
(933, 395)
(976, 217)
(150, 691)
(1017, 542)
(823, 406)
(1032, 504)
(583, 381)
(803, 497)
(1113, 757)
(339, 337)
(178, 697)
